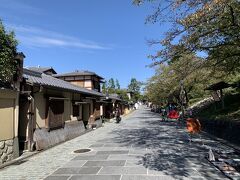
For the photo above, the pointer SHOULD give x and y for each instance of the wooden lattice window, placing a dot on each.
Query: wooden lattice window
(55, 114)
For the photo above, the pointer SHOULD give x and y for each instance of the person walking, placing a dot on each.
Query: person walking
(163, 112)
(117, 115)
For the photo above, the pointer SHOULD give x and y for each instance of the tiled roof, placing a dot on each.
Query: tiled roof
(115, 97)
(42, 79)
(79, 73)
(41, 69)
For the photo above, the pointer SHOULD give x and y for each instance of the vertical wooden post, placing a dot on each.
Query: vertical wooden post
(30, 123)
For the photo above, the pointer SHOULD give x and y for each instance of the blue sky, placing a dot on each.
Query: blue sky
(108, 37)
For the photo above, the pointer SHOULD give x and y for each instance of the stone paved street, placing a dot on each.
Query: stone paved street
(141, 147)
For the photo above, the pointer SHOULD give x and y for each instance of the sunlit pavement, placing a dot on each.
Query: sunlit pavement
(141, 147)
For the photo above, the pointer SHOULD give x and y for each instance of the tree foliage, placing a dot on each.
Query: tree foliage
(122, 94)
(117, 84)
(165, 84)
(8, 50)
(134, 87)
(209, 26)
(111, 86)
(104, 87)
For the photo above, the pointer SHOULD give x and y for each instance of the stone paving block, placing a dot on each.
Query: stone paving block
(200, 165)
(83, 170)
(105, 148)
(105, 140)
(121, 148)
(123, 170)
(57, 178)
(105, 163)
(142, 177)
(156, 172)
(92, 152)
(93, 157)
(124, 157)
(111, 144)
(212, 174)
(96, 177)
(112, 152)
(197, 178)
(139, 151)
(134, 163)
(77, 163)
(189, 178)
(96, 145)
(184, 172)
(115, 145)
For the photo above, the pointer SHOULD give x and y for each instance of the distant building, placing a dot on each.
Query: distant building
(85, 79)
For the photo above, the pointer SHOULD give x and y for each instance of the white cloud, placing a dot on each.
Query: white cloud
(19, 6)
(36, 37)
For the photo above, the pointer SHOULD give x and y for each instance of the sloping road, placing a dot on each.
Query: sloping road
(141, 147)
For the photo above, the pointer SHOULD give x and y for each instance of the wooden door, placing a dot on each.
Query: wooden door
(23, 122)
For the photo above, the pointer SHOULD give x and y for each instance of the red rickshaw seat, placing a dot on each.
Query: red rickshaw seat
(173, 114)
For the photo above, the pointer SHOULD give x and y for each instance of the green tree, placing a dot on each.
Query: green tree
(111, 83)
(135, 87)
(165, 84)
(117, 84)
(123, 94)
(114, 88)
(104, 87)
(111, 86)
(208, 26)
(8, 50)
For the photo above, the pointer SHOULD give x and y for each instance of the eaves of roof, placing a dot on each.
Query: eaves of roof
(78, 73)
(37, 78)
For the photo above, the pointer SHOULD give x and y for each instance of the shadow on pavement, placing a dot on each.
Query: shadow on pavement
(170, 152)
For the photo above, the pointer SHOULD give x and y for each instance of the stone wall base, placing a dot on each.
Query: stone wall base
(8, 150)
(224, 129)
(45, 139)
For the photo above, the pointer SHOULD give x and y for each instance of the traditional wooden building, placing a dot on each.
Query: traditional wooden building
(85, 79)
(88, 80)
(92, 81)
(43, 108)
(111, 102)
(53, 110)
